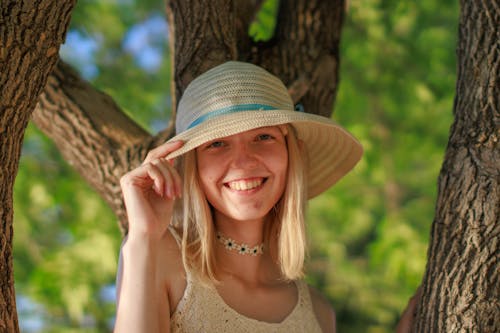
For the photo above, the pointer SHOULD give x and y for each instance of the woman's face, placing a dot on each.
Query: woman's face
(244, 175)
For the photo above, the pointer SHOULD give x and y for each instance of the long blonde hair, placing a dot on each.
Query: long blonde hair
(284, 231)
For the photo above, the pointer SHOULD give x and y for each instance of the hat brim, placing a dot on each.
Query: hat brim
(332, 150)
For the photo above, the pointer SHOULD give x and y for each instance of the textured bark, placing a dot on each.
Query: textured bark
(104, 144)
(303, 51)
(202, 36)
(30, 36)
(92, 133)
(461, 283)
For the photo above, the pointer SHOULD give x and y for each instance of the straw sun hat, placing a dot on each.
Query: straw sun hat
(235, 97)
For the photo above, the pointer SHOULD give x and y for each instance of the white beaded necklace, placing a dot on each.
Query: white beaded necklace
(232, 245)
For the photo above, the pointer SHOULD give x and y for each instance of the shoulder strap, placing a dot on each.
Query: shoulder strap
(304, 293)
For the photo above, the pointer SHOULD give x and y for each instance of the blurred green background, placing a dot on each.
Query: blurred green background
(368, 235)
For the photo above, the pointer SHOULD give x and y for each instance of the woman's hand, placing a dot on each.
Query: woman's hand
(149, 192)
(407, 318)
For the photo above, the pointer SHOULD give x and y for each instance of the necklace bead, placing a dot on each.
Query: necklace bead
(243, 249)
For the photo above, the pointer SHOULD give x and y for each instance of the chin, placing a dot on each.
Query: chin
(248, 216)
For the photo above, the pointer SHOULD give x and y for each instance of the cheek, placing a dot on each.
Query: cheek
(206, 185)
(283, 166)
(279, 163)
(202, 171)
(208, 172)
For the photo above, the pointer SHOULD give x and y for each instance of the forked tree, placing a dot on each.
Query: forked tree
(461, 283)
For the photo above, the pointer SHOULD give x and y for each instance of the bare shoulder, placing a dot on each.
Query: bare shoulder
(171, 244)
(323, 310)
(170, 260)
(171, 269)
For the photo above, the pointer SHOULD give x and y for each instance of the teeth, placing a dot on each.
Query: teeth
(244, 185)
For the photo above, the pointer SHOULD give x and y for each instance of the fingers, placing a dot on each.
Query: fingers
(162, 151)
(158, 175)
(167, 177)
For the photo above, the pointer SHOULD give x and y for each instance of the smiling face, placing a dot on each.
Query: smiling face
(244, 175)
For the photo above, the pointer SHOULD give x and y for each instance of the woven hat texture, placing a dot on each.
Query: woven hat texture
(235, 97)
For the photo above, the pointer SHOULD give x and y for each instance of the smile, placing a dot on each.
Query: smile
(245, 184)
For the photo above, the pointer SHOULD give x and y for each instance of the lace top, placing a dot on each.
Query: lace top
(202, 309)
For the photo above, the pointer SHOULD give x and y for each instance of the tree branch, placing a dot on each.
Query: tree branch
(245, 12)
(306, 49)
(92, 133)
(209, 41)
(460, 286)
(30, 35)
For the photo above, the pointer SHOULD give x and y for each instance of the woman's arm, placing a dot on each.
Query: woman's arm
(408, 317)
(142, 301)
(324, 312)
(149, 192)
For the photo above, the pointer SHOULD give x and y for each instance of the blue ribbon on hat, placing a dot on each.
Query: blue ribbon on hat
(229, 110)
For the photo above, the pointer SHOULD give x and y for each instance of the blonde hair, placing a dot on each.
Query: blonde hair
(284, 231)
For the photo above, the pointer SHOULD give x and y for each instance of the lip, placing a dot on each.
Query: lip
(245, 185)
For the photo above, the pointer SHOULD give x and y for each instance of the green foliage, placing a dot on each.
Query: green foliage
(262, 28)
(143, 94)
(368, 234)
(66, 239)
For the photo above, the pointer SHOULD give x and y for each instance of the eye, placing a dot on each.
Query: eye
(215, 144)
(264, 137)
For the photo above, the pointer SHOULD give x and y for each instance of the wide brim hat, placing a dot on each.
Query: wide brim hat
(236, 97)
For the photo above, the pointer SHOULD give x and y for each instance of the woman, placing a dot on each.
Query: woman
(216, 238)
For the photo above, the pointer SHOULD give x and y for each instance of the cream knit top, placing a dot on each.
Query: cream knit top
(202, 310)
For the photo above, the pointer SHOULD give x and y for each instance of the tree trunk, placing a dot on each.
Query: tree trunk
(30, 34)
(202, 35)
(461, 284)
(103, 142)
(303, 51)
(88, 127)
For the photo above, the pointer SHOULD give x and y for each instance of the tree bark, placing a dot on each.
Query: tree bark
(303, 51)
(30, 35)
(92, 133)
(104, 143)
(461, 284)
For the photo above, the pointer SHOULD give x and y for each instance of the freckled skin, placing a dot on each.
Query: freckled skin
(257, 155)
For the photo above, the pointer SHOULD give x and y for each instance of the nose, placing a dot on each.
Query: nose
(243, 156)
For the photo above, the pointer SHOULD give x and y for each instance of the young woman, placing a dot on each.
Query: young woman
(216, 239)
